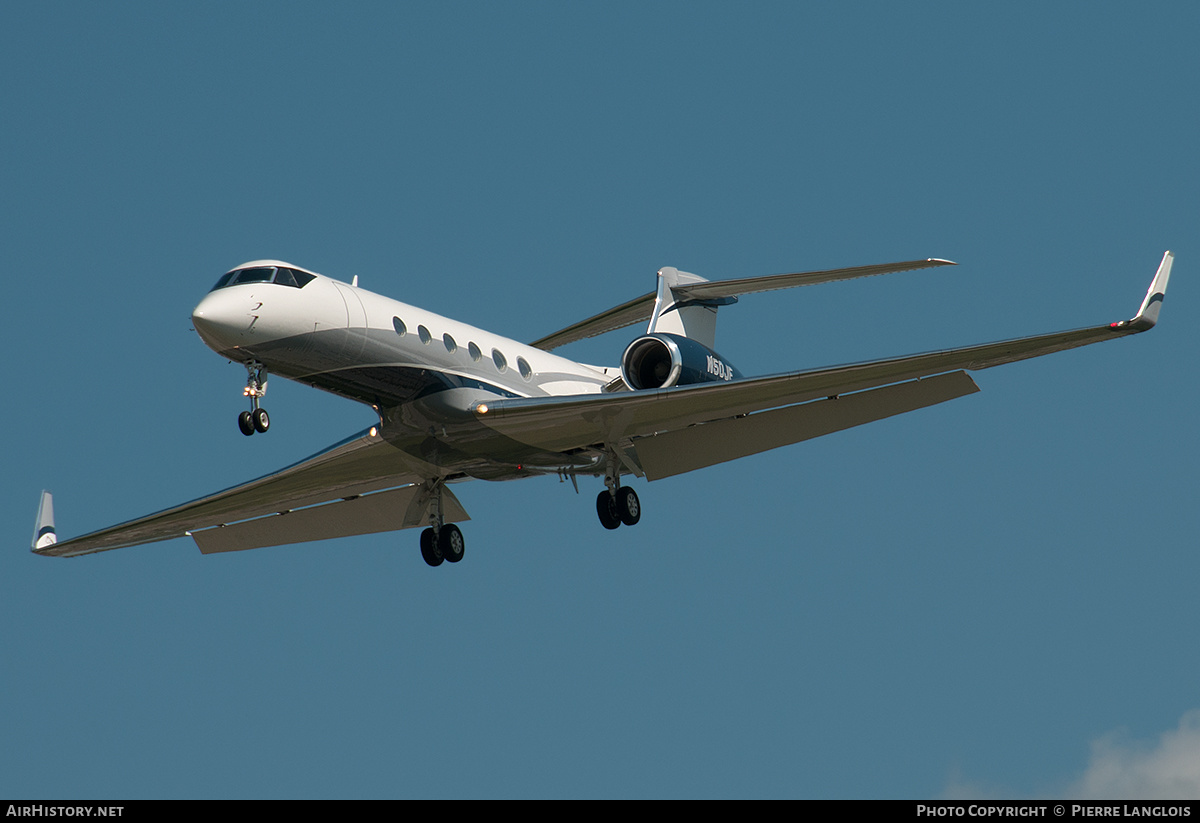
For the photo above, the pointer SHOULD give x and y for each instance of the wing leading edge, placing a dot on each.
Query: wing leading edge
(571, 422)
(357, 466)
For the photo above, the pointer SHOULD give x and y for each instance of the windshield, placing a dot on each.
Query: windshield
(266, 274)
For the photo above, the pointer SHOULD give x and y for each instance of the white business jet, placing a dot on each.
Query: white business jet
(456, 402)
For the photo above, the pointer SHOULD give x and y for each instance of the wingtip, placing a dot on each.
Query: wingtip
(44, 535)
(1147, 315)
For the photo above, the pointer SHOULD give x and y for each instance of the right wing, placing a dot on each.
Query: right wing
(565, 423)
(640, 308)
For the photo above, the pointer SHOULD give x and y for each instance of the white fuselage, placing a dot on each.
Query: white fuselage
(421, 372)
(374, 349)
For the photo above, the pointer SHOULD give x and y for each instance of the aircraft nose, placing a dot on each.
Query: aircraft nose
(222, 320)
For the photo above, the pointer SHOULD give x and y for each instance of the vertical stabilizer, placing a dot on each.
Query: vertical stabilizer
(676, 313)
(43, 531)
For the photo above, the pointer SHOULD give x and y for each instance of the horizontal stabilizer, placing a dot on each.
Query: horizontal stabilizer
(695, 447)
(711, 289)
(639, 309)
(369, 514)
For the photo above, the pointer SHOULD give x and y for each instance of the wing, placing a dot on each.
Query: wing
(670, 428)
(640, 308)
(359, 486)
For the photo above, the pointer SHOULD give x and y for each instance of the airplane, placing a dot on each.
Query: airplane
(455, 402)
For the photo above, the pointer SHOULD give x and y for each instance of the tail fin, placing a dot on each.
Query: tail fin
(677, 312)
(43, 531)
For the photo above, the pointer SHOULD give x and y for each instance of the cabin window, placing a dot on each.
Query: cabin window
(451, 346)
(523, 368)
(500, 361)
(399, 326)
(476, 354)
(424, 334)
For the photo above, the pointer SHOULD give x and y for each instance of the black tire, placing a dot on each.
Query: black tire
(606, 508)
(262, 420)
(429, 548)
(246, 423)
(628, 506)
(450, 541)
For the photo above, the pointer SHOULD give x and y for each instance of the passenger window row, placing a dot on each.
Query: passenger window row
(498, 358)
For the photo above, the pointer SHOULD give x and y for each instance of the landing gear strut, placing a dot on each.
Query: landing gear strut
(257, 419)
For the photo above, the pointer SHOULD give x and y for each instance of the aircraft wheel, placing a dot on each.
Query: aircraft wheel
(628, 506)
(262, 421)
(606, 507)
(429, 548)
(451, 543)
(246, 423)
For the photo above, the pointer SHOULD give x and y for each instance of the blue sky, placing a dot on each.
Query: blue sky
(991, 597)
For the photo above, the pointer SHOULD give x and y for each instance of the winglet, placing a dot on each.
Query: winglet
(1147, 315)
(43, 530)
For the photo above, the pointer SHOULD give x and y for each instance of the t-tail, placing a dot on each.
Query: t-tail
(686, 304)
(677, 348)
(677, 312)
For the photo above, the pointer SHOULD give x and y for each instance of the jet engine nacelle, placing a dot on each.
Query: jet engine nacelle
(661, 360)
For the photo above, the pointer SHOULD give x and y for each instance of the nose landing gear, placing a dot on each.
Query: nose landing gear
(256, 419)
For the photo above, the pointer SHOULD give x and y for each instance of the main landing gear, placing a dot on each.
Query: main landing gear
(615, 509)
(257, 419)
(446, 544)
(441, 541)
(617, 504)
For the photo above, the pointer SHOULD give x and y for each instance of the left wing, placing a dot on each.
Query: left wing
(344, 478)
(572, 422)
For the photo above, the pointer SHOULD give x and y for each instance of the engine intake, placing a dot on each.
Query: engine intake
(661, 360)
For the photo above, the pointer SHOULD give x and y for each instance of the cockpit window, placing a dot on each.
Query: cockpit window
(266, 274)
(261, 274)
(302, 278)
